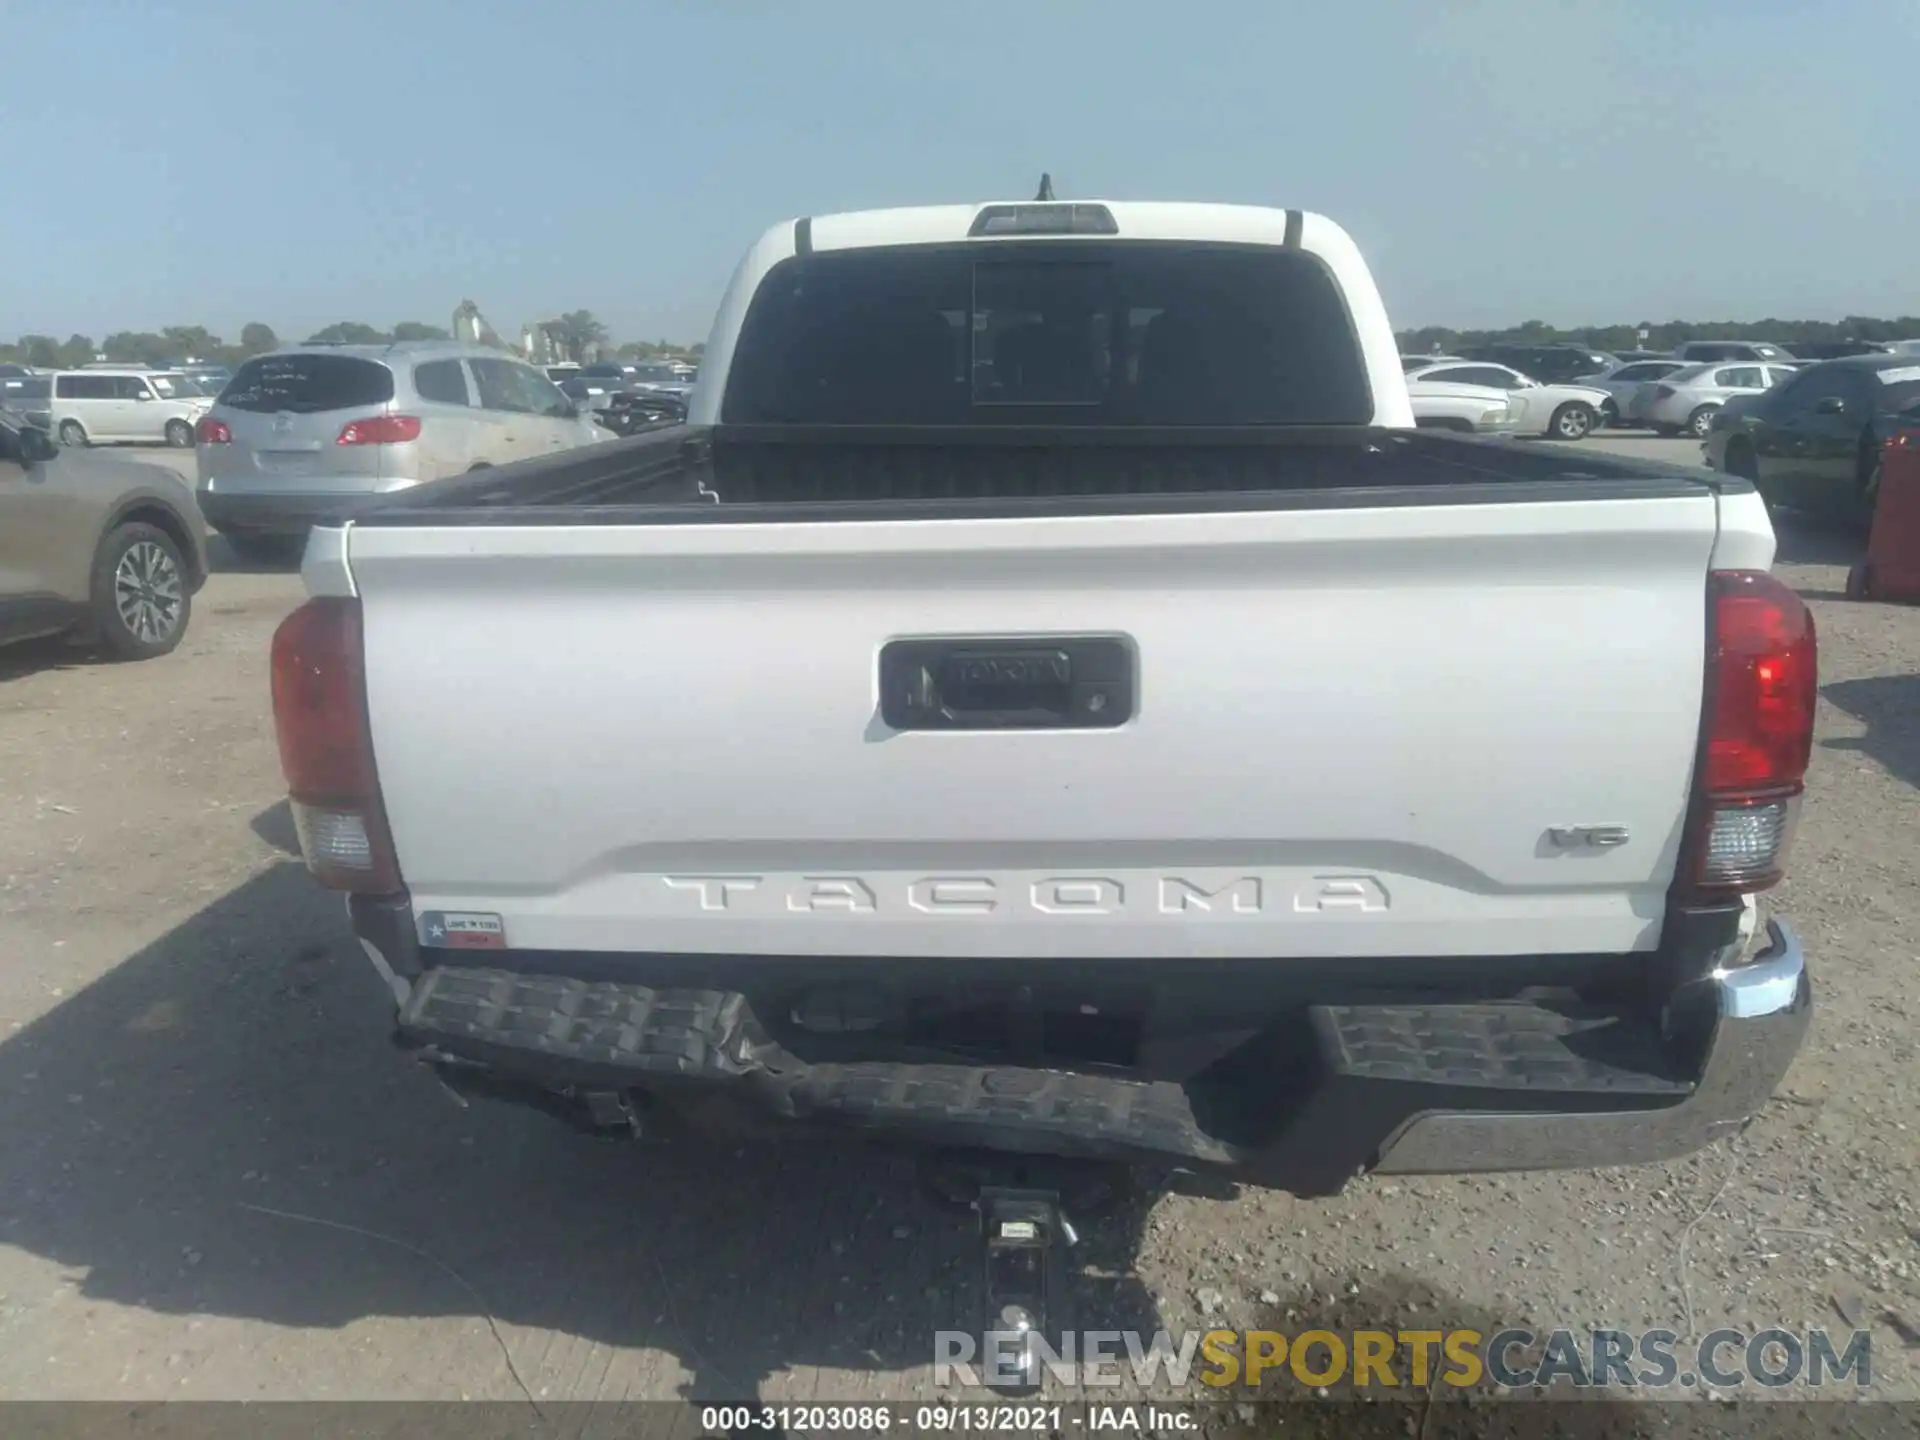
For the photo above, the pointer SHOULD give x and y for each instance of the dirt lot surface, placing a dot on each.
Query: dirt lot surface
(193, 1052)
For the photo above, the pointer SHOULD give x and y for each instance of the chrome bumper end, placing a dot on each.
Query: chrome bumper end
(1762, 1012)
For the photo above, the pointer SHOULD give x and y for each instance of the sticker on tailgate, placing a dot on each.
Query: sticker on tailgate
(463, 930)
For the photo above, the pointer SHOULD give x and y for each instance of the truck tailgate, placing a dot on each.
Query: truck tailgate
(1352, 732)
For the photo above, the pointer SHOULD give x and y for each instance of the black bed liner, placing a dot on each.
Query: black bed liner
(758, 474)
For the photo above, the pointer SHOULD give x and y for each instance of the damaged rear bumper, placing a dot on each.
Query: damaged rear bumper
(1760, 1015)
(1304, 1105)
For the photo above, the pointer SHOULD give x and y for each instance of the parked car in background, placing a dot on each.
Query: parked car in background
(623, 370)
(1814, 443)
(1552, 364)
(124, 406)
(1560, 412)
(1688, 398)
(1700, 352)
(565, 370)
(1622, 380)
(206, 373)
(593, 393)
(1410, 363)
(1903, 347)
(664, 376)
(1468, 409)
(29, 394)
(11, 371)
(1837, 349)
(98, 547)
(308, 432)
(642, 408)
(210, 378)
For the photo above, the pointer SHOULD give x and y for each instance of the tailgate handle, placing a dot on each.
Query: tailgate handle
(1040, 683)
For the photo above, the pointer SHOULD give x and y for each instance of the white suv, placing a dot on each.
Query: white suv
(145, 407)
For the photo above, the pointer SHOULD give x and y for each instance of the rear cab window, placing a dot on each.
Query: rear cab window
(1049, 332)
(307, 384)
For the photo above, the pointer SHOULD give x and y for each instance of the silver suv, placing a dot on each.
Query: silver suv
(301, 435)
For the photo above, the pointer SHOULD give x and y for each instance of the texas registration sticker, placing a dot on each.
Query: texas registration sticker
(463, 930)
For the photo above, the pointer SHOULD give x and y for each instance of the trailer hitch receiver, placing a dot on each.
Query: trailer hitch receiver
(1024, 1234)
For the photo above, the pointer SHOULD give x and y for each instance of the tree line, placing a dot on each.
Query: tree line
(1667, 335)
(576, 333)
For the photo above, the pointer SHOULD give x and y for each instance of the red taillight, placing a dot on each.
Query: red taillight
(326, 749)
(1762, 685)
(380, 430)
(212, 432)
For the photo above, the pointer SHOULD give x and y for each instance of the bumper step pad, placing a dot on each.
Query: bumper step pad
(1375, 1069)
(1496, 1047)
(1046, 1111)
(701, 1034)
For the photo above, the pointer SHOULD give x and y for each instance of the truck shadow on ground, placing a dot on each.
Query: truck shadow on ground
(28, 657)
(223, 559)
(1889, 706)
(274, 825)
(165, 1126)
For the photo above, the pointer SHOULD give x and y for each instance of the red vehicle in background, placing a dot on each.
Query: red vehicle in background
(1891, 570)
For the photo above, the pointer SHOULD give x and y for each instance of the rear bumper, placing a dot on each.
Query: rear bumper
(290, 513)
(1760, 1015)
(1322, 1093)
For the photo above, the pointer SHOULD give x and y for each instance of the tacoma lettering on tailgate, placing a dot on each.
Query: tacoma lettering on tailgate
(1048, 895)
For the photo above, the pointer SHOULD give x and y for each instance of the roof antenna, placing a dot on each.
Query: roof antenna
(1046, 187)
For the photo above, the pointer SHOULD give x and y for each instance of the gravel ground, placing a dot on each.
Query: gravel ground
(194, 1053)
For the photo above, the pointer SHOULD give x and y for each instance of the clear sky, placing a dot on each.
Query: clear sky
(304, 161)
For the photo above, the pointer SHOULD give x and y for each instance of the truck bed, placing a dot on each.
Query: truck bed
(845, 472)
(1361, 676)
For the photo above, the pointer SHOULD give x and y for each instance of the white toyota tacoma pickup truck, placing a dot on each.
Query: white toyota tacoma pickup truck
(1050, 698)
